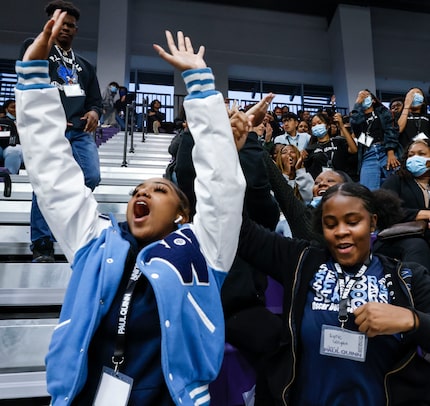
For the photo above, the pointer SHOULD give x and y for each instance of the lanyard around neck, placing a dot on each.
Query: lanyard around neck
(345, 289)
(124, 311)
(65, 59)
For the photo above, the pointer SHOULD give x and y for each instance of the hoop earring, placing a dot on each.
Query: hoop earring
(178, 220)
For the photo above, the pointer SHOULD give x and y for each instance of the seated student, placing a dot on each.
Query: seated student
(170, 339)
(290, 163)
(411, 184)
(10, 148)
(157, 119)
(356, 324)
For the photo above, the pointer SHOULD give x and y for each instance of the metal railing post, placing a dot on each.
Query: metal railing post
(124, 156)
(131, 119)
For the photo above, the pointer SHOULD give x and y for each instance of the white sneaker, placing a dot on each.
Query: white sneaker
(155, 127)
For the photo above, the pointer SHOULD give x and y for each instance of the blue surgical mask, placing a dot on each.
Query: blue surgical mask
(319, 130)
(113, 89)
(417, 165)
(279, 118)
(12, 117)
(417, 100)
(367, 102)
(315, 201)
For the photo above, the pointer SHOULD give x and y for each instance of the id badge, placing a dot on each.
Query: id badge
(420, 136)
(73, 90)
(114, 389)
(342, 343)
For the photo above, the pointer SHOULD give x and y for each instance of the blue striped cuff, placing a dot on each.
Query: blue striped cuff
(32, 74)
(199, 81)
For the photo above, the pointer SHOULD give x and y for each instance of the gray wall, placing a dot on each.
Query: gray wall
(246, 43)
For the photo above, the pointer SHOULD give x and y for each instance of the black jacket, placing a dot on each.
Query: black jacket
(7, 124)
(411, 195)
(293, 263)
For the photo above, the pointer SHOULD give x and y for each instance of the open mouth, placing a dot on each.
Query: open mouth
(344, 248)
(140, 209)
(321, 192)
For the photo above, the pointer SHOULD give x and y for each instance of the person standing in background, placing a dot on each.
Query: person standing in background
(77, 82)
(377, 134)
(109, 112)
(414, 121)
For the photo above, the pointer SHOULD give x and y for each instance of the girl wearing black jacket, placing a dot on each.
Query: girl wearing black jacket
(356, 325)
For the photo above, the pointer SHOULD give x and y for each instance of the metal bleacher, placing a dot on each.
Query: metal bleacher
(31, 294)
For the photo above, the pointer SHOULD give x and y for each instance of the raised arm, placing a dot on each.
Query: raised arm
(219, 184)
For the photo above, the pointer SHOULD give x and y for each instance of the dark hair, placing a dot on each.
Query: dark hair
(423, 108)
(7, 103)
(184, 203)
(155, 101)
(289, 116)
(402, 171)
(345, 177)
(67, 6)
(323, 116)
(114, 83)
(375, 101)
(396, 99)
(382, 202)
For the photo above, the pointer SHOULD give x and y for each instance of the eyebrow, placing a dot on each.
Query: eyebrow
(154, 183)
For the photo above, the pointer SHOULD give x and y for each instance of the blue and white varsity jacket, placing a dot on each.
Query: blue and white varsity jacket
(187, 292)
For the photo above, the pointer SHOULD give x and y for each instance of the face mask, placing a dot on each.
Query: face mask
(315, 201)
(113, 89)
(319, 130)
(10, 116)
(367, 102)
(417, 100)
(122, 93)
(279, 117)
(417, 165)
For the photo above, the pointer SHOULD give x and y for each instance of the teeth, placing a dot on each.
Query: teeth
(141, 209)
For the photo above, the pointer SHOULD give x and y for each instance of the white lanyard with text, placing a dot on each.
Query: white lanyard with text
(345, 290)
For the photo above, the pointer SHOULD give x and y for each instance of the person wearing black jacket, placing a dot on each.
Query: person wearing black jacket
(10, 148)
(76, 79)
(250, 326)
(356, 325)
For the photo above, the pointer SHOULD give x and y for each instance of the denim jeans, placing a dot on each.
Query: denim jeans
(373, 170)
(86, 155)
(12, 157)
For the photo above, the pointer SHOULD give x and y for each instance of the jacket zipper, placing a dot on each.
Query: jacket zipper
(387, 397)
(290, 325)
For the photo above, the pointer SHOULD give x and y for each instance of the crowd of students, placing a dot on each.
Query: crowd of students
(144, 318)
